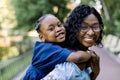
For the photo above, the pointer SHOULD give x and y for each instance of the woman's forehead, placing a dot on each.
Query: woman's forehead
(91, 19)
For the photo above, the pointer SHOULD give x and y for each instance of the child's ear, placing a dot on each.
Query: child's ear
(41, 36)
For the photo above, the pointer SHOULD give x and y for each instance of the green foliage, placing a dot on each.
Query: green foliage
(28, 11)
(24, 45)
(113, 24)
(62, 10)
(7, 18)
(16, 49)
(8, 52)
(86, 1)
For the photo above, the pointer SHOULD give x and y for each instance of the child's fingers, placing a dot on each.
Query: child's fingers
(94, 55)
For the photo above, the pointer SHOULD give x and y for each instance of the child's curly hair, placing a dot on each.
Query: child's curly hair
(76, 17)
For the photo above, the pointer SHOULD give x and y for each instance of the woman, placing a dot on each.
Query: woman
(84, 29)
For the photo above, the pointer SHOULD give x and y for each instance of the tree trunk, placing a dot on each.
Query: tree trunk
(106, 12)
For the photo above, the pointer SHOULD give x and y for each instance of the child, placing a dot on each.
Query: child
(47, 53)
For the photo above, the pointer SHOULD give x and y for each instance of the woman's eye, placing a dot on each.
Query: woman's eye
(96, 26)
(84, 27)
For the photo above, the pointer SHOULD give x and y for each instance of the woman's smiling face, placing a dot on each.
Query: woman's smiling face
(89, 37)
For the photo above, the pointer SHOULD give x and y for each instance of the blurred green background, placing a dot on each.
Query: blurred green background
(17, 22)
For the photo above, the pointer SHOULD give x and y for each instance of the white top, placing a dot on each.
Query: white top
(68, 71)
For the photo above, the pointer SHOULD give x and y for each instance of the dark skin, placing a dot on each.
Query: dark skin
(87, 39)
(93, 63)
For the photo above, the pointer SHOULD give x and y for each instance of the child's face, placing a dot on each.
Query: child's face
(52, 30)
(88, 37)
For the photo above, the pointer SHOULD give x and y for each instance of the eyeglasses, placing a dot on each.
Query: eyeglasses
(84, 27)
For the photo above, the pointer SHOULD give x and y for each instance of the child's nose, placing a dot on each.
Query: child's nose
(58, 29)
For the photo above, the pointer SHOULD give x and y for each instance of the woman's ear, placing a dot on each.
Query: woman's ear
(41, 37)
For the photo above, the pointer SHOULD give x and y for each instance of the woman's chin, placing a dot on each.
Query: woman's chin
(87, 45)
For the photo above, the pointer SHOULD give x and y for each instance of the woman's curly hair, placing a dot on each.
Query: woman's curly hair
(75, 18)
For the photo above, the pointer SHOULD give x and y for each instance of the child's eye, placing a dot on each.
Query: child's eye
(51, 28)
(60, 25)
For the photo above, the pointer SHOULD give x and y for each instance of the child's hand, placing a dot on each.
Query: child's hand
(94, 63)
(85, 56)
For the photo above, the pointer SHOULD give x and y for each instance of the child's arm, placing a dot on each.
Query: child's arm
(79, 56)
(50, 55)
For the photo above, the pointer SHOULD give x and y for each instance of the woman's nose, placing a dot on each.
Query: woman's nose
(90, 31)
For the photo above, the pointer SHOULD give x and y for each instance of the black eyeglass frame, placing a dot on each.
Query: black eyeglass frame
(99, 28)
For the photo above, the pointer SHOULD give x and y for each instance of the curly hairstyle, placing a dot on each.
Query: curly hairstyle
(73, 21)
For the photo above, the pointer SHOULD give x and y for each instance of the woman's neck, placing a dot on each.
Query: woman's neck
(78, 46)
(81, 47)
